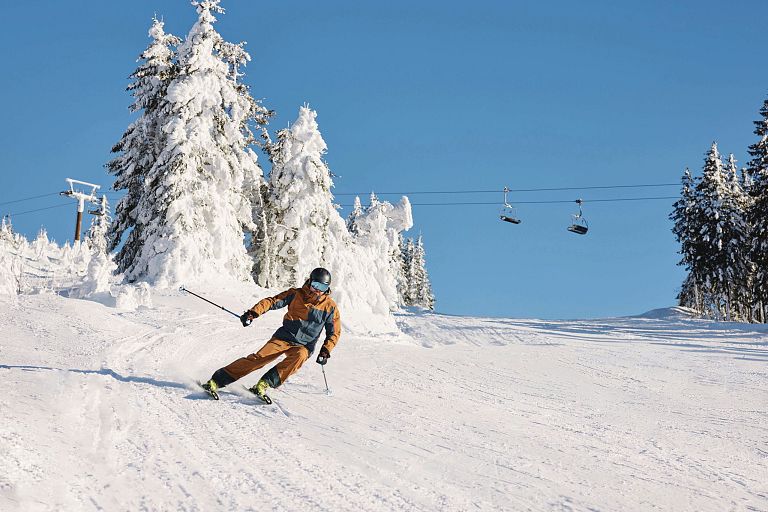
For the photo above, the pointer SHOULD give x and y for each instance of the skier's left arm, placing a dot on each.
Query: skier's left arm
(332, 330)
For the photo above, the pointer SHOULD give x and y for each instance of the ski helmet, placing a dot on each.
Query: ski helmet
(320, 275)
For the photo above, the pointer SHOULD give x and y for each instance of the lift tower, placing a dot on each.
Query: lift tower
(81, 197)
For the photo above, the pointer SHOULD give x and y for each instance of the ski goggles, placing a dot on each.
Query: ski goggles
(321, 287)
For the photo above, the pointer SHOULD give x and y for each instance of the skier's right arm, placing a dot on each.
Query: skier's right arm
(278, 301)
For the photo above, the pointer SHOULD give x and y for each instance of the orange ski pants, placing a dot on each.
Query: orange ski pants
(295, 355)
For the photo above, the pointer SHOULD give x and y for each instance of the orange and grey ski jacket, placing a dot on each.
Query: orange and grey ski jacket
(308, 312)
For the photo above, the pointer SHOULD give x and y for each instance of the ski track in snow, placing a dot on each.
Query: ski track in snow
(641, 413)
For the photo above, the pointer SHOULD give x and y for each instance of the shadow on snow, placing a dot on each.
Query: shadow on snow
(107, 372)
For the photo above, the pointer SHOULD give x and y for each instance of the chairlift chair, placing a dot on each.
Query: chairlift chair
(508, 212)
(508, 215)
(102, 211)
(580, 225)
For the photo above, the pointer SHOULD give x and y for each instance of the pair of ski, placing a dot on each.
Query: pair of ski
(213, 394)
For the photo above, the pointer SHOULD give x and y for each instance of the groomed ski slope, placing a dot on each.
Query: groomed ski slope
(659, 412)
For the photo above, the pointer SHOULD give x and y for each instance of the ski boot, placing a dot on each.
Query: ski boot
(211, 388)
(260, 390)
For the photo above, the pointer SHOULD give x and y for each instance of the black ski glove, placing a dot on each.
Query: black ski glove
(247, 317)
(323, 356)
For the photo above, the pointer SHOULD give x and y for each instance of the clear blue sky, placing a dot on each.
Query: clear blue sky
(436, 95)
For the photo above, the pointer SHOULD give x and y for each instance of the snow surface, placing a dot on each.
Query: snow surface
(656, 412)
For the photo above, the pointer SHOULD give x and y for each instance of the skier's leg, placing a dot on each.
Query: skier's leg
(245, 365)
(294, 358)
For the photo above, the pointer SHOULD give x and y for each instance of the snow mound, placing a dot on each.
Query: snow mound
(103, 286)
(671, 313)
(97, 279)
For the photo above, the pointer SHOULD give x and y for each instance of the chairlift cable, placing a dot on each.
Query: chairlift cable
(594, 187)
(418, 192)
(452, 203)
(496, 191)
(16, 214)
(630, 199)
(28, 198)
(561, 201)
(12, 215)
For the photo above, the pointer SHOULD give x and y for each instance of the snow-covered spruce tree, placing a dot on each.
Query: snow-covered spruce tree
(42, 246)
(386, 222)
(689, 295)
(400, 268)
(11, 262)
(96, 237)
(298, 207)
(193, 208)
(745, 180)
(740, 269)
(357, 211)
(142, 142)
(732, 173)
(6, 229)
(739, 183)
(758, 215)
(261, 249)
(721, 229)
(684, 216)
(308, 231)
(710, 237)
(252, 115)
(420, 286)
(404, 288)
(378, 229)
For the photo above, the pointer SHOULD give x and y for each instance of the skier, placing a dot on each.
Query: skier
(310, 308)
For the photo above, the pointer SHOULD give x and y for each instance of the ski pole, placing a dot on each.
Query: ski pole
(321, 360)
(209, 302)
(327, 390)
